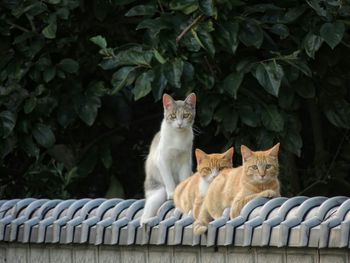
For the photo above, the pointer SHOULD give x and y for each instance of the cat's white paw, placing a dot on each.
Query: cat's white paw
(235, 212)
(199, 229)
(144, 221)
(170, 195)
(269, 194)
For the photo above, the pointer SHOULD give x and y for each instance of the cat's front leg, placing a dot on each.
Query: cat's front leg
(197, 206)
(269, 194)
(239, 202)
(200, 226)
(185, 171)
(236, 207)
(168, 178)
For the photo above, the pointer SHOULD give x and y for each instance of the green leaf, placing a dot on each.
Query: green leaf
(142, 10)
(143, 85)
(156, 25)
(227, 35)
(232, 83)
(316, 5)
(7, 123)
(130, 57)
(281, 30)
(312, 43)
(207, 7)
(49, 74)
(115, 189)
(29, 105)
(99, 40)
(43, 135)
(293, 142)
(332, 33)
(251, 34)
(87, 108)
(66, 114)
(158, 56)
(50, 30)
(29, 147)
(264, 138)
(338, 112)
(305, 88)
(159, 83)
(246, 64)
(173, 72)
(123, 2)
(186, 6)
(207, 108)
(301, 66)
(248, 115)
(188, 72)
(272, 119)
(54, 2)
(106, 157)
(230, 121)
(7, 146)
(206, 41)
(119, 78)
(64, 154)
(293, 14)
(286, 98)
(207, 81)
(69, 65)
(269, 75)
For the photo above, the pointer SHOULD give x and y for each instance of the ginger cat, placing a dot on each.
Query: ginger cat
(235, 187)
(190, 193)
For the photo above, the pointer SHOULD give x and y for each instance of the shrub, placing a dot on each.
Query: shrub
(75, 122)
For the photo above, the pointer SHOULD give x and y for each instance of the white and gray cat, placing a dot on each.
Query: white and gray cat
(170, 158)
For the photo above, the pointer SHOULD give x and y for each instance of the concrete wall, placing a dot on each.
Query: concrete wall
(19, 253)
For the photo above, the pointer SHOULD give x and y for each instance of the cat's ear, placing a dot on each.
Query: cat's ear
(229, 154)
(167, 101)
(200, 155)
(191, 100)
(246, 152)
(274, 150)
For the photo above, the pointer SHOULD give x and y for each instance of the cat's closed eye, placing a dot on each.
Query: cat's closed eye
(222, 168)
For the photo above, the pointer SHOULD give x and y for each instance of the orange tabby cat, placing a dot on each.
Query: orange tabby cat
(235, 187)
(189, 194)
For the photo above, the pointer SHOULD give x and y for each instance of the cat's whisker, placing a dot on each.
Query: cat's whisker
(196, 130)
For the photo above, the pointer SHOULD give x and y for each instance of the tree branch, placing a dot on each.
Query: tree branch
(188, 28)
(17, 26)
(160, 6)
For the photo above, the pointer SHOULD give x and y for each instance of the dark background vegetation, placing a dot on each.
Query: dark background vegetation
(81, 83)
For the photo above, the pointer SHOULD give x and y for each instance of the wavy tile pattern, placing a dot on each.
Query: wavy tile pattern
(315, 222)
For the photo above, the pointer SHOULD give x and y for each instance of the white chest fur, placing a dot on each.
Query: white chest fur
(175, 150)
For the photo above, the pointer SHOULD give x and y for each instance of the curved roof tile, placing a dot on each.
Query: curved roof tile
(295, 222)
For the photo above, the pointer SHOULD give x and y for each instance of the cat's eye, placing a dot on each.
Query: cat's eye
(268, 166)
(173, 116)
(254, 167)
(186, 115)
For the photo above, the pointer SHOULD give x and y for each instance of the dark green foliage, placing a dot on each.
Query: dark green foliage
(80, 84)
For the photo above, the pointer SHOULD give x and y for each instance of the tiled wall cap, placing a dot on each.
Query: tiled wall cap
(299, 221)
